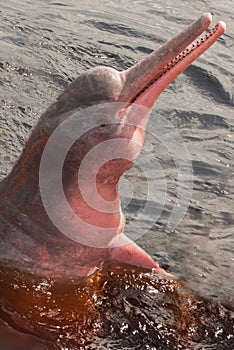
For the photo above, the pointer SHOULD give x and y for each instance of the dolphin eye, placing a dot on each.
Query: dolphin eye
(102, 125)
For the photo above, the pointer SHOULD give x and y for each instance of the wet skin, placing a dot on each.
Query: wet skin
(28, 237)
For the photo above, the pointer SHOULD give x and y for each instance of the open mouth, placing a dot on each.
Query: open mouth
(153, 74)
(201, 43)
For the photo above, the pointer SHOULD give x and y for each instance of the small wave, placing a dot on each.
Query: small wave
(210, 84)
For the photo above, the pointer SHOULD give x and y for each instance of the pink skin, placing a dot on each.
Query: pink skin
(39, 244)
(150, 95)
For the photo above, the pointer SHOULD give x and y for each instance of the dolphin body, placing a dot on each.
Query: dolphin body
(29, 239)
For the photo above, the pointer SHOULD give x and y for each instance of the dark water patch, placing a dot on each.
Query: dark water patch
(168, 17)
(14, 40)
(47, 30)
(24, 71)
(135, 206)
(229, 41)
(222, 40)
(209, 84)
(195, 212)
(219, 189)
(143, 49)
(88, 56)
(25, 29)
(108, 43)
(59, 4)
(223, 70)
(133, 319)
(16, 25)
(228, 218)
(192, 138)
(192, 119)
(204, 169)
(60, 79)
(121, 29)
(12, 73)
(119, 61)
(222, 154)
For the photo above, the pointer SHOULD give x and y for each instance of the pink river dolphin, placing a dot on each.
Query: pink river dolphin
(29, 239)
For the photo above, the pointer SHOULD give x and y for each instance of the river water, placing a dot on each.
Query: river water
(47, 44)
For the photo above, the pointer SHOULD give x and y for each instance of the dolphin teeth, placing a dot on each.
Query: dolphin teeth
(178, 58)
(186, 52)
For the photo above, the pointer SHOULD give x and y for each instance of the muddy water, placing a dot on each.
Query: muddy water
(43, 48)
(118, 307)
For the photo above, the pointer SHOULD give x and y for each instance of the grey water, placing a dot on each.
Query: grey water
(47, 44)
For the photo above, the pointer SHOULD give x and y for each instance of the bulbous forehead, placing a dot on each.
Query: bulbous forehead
(96, 86)
(99, 84)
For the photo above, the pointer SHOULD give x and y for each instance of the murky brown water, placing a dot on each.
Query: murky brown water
(116, 308)
(43, 48)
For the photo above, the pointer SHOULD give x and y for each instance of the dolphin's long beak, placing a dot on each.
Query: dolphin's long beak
(145, 81)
